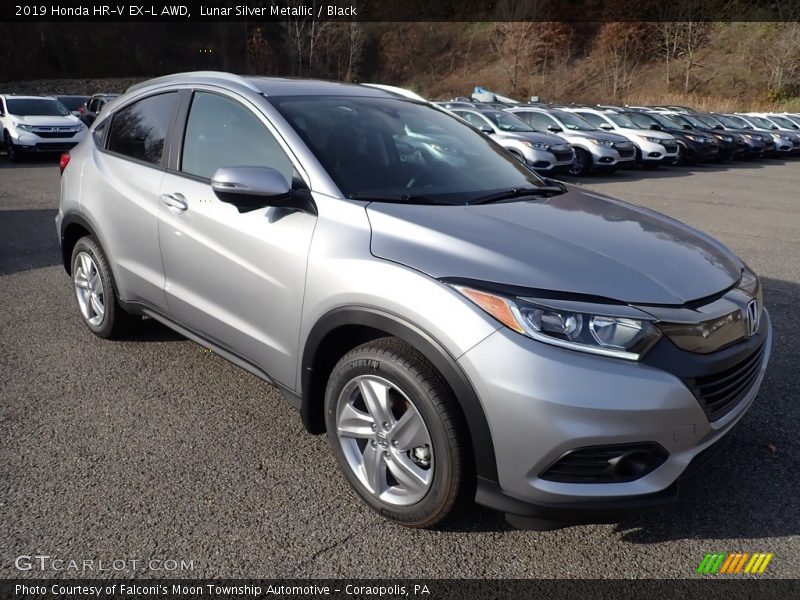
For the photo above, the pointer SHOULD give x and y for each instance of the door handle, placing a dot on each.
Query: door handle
(176, 201)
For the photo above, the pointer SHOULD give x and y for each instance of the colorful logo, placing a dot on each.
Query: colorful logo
(734, 562)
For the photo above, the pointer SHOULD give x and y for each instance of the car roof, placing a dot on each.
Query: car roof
(268, 86)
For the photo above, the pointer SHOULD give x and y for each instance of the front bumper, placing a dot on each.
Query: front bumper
(31, 142)
(548, 162)
(604, 157)
(657, 153)
(541, 401)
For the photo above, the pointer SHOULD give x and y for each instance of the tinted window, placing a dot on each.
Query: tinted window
(139, 129)
(223, 133)
(395, 150)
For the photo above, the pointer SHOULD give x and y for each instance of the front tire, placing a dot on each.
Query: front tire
(13, 151)
(582, 164)
(396, 433)
(96, 291)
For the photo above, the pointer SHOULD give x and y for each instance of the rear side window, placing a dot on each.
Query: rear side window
(473, 119)
(223, 133)
(138, 131)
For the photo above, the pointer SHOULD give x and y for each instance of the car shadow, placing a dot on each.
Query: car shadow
(28, 240)
(32, 161)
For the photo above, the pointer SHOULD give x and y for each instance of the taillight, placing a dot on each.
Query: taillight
(63, 161)
(82, 110)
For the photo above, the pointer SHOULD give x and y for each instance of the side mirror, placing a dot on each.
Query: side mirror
(687, 126)
(554, 128)
(250, 188)
(656, 127)
(720, 127)
(486, 129)
(606, 127)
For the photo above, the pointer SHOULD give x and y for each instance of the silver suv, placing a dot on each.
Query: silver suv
(461, 328)
(546, 153)
(595, 150)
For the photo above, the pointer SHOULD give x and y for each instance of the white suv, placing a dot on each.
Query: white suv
(652, 147)
(38, 124)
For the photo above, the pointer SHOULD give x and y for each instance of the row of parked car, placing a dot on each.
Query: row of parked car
(578, 139)
(37, 124)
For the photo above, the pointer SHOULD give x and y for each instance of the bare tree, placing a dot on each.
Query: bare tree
(682, 29)
(515, 37)
(783, 55)
(620, 48)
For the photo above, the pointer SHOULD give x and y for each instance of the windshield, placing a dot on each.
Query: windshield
(709, 121)
(694, 122)
(666, 121)
(734, 122)
(29, 107)
(506, 121)
(642, 120)
(394, 150)
(622, 121)
(761, 122)
(572, 121)
(784, 123)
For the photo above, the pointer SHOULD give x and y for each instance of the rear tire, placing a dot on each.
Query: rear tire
(96, 292)
(397, 434)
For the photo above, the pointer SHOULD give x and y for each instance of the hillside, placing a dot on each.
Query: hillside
(722, 66)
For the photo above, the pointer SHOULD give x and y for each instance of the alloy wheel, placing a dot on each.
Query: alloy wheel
(89, 289)
(385, 440)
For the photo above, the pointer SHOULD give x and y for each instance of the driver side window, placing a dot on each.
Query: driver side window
(222, 133)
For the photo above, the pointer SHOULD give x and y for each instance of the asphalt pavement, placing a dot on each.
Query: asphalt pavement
(155, 450)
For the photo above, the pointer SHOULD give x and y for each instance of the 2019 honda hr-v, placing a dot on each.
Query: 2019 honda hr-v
(460, 327)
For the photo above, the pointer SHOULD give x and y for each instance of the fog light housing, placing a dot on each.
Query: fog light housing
(617, 463)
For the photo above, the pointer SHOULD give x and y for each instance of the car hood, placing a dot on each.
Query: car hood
(577, 242)
(47, 121)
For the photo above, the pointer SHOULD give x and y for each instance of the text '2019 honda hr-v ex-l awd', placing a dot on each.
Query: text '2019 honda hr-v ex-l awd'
(460, 327)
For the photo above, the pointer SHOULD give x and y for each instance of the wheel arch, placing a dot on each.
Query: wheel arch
(342, 329)
(73, 228)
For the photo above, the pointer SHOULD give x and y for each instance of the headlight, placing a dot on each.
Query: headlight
(725, 138)
(605, 143)
(536, 145)
(24, 127)
(80, 126)
(604, 334)
(652, 140)
(697, 138)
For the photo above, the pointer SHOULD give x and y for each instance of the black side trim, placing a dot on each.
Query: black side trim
(73, 219)
(491, 496)
(485, 462)
(236, 359)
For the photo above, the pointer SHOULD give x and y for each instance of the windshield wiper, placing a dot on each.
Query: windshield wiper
(505, 195)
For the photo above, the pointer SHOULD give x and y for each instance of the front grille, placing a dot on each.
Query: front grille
(720, 393)
(55, 134)
(670, 149)
(626, 153)
(563, 156)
